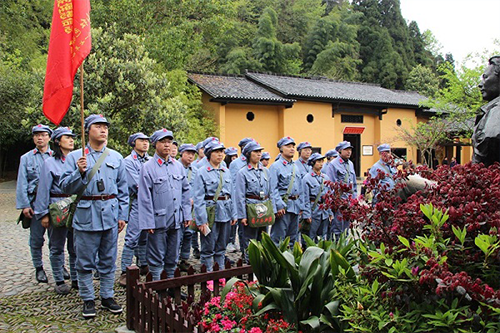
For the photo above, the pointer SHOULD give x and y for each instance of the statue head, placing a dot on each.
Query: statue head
(490, 80)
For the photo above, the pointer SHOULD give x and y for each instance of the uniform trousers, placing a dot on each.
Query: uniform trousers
(37, 232)
(162, 251)
(135, 243)
(285, 226)
(57, 238)
(213, 246)
(319, 227)
(88, 245)
(185, 246)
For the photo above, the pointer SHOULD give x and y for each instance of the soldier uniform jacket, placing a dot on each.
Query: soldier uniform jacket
(389, 171)
(205, 184)
(281, 175)
(251, 181)
(97, 215)
(343, 172)
(27, 177)
(133, 165)
(48, 183)
(164, 197)
(312, 184)
(302, 167)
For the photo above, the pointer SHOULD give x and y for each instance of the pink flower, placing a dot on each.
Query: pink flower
(255, 330)
(227, 324)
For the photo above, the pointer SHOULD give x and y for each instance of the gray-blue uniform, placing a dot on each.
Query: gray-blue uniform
(281, 175)
(164, 204)
(342, 172)
(135, 238)
(48, 193)
(252, 185)
(312, 184)
(301, 164)
(95, 223)
(213, 246)
(190, 173)
(388, 169)
(331, 153)
(26, 188)
(234, 167)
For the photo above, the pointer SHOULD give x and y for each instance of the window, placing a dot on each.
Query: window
(347, 118)
(398, 122)
(310, 118)
(250, 116)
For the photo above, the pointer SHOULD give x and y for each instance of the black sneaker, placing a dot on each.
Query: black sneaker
(111, 305)
(183, 266)
(88, 309)
(196, 253)
(74, 284)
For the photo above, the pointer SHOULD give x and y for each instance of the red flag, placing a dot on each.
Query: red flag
(69, 45)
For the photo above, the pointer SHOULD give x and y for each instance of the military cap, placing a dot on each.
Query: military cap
(231, 151)
(384, 147)
(41, 128)
(332, 153)
(199, 146)
(343, 145)
(175, 143)
(285, 141)
(135, 136)
(303, 145)
(208, 140)
(243, 142)
(213, 145)
(60, 131)
(250, 147)
(187, 147)
(160, 134)
(265, 156)
(314, 157)
(95, 119)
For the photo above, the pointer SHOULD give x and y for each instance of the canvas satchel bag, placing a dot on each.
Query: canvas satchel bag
(261, 214)
(61, 212)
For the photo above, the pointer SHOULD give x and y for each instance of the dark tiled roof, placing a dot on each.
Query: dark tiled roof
(325, 89)
(235, 88)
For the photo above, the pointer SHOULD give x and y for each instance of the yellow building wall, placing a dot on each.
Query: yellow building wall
(273, 122)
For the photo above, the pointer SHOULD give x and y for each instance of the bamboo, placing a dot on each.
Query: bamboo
(81, 109)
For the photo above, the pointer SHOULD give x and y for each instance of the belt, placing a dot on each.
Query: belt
(256, 197)
(59, 195)
(319, 201)
(225, 197)
(293, 197)
(98, 197)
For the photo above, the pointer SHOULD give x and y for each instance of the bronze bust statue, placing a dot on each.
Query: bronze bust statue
(486, 137)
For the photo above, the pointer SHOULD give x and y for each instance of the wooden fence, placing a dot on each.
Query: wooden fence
(150, 307)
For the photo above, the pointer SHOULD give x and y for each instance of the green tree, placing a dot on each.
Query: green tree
(272, 54)
(424, 80)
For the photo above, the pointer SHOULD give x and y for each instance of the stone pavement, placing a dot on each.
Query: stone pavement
(29, 306)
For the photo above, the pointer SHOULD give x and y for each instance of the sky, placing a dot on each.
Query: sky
(460, 26)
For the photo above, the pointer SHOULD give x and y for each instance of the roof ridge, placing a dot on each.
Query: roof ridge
(215, 74)
(316, 78)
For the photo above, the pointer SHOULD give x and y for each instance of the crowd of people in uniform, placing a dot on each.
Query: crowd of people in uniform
(174, 209)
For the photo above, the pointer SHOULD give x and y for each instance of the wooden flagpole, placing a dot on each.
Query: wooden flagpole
(81, 109)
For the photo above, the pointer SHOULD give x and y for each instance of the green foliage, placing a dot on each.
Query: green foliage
(422, 79)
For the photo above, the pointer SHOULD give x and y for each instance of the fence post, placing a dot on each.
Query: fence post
(132, 279)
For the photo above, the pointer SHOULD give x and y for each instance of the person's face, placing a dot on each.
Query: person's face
(217, 156)
(255, 156)
(305, 153)
(490, 84)
(142, 145)
(201, 153)
(41, 139)
(187, 157)
(163, 147)
(288, 151)
(318, 164)
(386, 157)
(67, 142)
(173, 151)
(98, 132)
(234, 157)
(265, 162)
(346, 153)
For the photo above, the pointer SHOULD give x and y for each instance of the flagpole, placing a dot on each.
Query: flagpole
(81, 109)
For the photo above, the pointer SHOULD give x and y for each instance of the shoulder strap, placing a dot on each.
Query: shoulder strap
(96, 167)
(290, 186)
(266, 177)
(219, 188)
(319, 195)
(190, 174)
